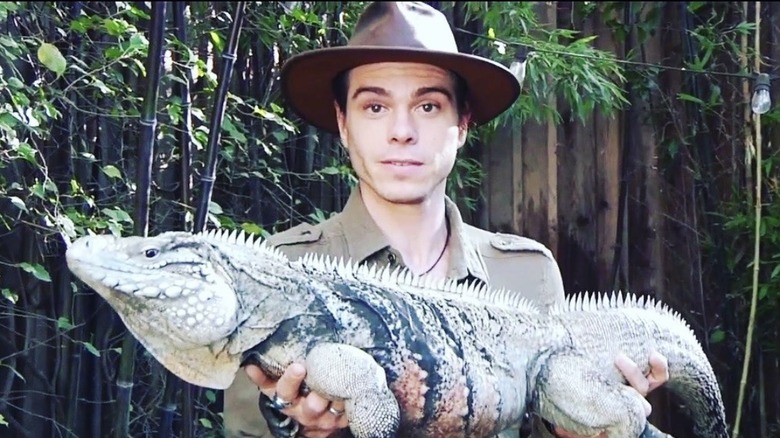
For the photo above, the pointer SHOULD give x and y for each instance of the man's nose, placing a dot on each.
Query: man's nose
(403, 129)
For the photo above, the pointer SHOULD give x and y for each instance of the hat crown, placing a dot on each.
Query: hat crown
(413, 25)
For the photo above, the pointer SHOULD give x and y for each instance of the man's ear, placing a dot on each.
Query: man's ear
(341, 118)
(463, 129)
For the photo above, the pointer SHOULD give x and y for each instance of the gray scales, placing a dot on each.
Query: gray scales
(409, 356)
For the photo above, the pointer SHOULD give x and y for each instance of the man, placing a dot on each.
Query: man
(401, 98)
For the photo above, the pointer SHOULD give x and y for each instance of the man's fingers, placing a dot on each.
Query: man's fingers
(288, 386)
(260, 379)
(314, 405)
(633, 374)
(659, 370)
(648, 407)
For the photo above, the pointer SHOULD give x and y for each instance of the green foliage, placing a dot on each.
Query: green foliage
(739, 218)
(561, 62)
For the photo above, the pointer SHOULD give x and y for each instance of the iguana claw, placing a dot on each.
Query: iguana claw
(280, 425)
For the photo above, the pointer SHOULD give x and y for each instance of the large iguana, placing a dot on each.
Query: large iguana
(409, 356)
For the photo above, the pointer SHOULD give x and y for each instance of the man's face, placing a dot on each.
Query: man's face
(401, 129)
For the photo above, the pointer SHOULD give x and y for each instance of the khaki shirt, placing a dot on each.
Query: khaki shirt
(500, 260)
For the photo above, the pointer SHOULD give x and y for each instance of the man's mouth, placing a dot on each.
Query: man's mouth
(402, 162)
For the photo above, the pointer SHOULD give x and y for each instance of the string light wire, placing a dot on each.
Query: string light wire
(617, 61)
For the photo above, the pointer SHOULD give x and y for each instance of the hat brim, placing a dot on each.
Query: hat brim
(306, 79)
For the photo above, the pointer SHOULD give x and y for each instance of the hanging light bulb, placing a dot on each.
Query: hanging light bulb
(761, 99)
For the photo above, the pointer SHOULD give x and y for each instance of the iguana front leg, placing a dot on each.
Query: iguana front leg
(573, 394)
(343, 372)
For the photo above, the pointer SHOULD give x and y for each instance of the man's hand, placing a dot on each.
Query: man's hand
(643, 384)
(311, 412)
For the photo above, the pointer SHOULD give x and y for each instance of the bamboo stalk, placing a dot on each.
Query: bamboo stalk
(184, 135)
(217, 115)
(743, 63)
(148, 122)
(757, 237)
(71, 351)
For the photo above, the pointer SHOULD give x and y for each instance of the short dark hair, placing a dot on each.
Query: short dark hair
(340, 87)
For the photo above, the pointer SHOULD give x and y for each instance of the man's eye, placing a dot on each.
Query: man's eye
(428, 107)
(151, 253)
(375, 108)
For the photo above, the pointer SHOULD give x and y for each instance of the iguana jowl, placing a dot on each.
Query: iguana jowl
(410, 356)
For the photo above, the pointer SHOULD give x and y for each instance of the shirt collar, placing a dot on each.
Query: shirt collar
(364, 238)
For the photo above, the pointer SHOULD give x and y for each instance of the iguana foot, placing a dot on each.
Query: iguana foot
(573, 394)
(343, 372)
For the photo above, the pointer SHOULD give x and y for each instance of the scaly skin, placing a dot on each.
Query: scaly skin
(409, 356)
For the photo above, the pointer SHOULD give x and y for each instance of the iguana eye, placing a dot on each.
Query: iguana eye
(151, 253)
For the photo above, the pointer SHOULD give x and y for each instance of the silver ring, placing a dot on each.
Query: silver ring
(335, 411)
(279, 403)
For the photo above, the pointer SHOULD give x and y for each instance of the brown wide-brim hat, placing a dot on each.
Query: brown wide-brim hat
(395, 32)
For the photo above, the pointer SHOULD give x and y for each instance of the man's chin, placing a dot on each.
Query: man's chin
(406, 198)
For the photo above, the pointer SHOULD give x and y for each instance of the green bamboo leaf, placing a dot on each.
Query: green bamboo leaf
(36, 270)
(218, 41)
(717, 336)
(689, 98)
(112, 171)
(18, 203)
(15, 83)
(2, 420)
(215, 208)
(27, 152)
(91, 348)
(9, 295)
(64, 323)
(205, 422)
(763, 291)
(252, 228)
(50, 56)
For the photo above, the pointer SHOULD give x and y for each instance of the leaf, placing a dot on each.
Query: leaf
(18, 203)
(15, 83)
(689, 98)
(330, 170)
(2, 420)
(205, 422)
(91, 348)
(251, 228)
(717, 336)
(216, 38)
(36, 270)
(50, 56)
(763, 291)
(64, 323)
(214, 208)
(10, 295)
(112, 171)
(27, 152)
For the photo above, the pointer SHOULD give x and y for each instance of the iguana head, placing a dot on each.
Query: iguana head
(172, 293)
